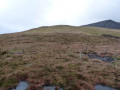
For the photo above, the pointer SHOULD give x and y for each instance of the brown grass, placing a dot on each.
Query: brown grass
(43, 59)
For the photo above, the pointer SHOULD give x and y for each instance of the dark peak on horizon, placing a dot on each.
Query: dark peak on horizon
(110, 24)
(110, 20)
(107, 21)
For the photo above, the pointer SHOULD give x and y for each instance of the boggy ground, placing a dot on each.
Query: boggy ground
(54, 59)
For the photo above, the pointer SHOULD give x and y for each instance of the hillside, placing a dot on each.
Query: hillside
(95, 31)
(110, 24)
(62, 56)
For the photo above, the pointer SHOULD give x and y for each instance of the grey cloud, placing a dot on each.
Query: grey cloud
(25, 14)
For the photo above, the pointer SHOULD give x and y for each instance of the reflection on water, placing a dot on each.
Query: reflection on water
(107, 59)
(22, 86)
(50, 88)
(100, 87)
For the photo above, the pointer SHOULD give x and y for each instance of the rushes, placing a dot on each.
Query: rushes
(80, 55)
(70, 52)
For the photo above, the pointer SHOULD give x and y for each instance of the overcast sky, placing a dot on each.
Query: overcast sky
(20, 15)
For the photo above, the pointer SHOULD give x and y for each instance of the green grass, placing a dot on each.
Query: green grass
(72, 29)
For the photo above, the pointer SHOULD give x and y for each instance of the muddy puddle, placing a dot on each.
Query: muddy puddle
(107, 59)
(24, 86)
(51, 88)
(21, 86)
(101, 87)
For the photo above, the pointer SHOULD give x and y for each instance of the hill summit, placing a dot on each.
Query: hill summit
(110, 24)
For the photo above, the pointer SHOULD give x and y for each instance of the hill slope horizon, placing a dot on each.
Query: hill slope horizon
(106, 24)
(94, 31)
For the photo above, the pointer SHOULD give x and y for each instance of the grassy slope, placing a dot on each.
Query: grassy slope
(47, 57)
(72, 29)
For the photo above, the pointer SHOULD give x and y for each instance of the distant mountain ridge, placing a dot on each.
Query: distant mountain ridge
(110, 24)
